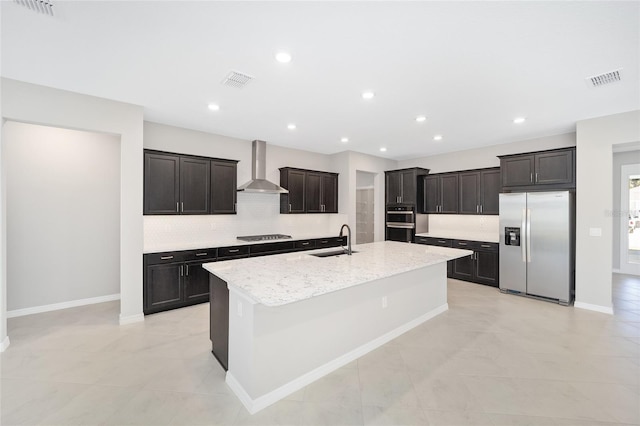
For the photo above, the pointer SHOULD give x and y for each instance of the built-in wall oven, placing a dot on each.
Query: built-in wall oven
(401, 223)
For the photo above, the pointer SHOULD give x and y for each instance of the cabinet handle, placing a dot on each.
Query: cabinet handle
(306, 243)
(324, 242)
(181, 271)
(166, 257)
(485, 245)
(442, 241)
(480, 208)
(477, 208)
(201, 254)
(187, 270)
(462, 244)
(289, 208)
(531, 177)
(177, 207)
(234, 251)
(536, 177)
(182, 206)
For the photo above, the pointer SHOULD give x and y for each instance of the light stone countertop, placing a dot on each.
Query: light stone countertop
(488, 237)
(159, 248)
(286, 278)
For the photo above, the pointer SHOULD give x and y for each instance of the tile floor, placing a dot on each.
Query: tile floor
(492, 359)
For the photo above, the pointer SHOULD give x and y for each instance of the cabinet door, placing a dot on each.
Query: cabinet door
(219, 320)
(432, 194)
(408, 189)
(554, 168)
(312, 195)
(161, 183)
(517, 171)
(330, 193)
(224, 179)
(468, 192)
(194, 185)
(489, 191)
(449, 194)
(196, 282)
(462, 268)
(163, 287)
(393, 187)
(486, 268)
(296, 185)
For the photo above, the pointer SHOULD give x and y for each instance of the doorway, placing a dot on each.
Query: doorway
(630, 219)
(365, 198)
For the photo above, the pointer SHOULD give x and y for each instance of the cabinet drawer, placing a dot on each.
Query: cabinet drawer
(487, 246)
(166, 257)
(232, 252)
(202, 254)
(432, 241)
(466, 245)
(271, 248)
(331, 242)
(305, 244)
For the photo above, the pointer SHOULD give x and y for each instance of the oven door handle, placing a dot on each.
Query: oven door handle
(401, 225)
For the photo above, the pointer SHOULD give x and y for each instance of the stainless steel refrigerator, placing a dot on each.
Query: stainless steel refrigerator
(537, 245)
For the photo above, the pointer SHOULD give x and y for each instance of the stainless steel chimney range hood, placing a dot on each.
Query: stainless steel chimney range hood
(258, 182)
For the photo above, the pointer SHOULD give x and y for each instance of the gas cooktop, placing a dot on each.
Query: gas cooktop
(264, 237)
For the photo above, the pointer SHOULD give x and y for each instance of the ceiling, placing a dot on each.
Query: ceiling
(469, 67)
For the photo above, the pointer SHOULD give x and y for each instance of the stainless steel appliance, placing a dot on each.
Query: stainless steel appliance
(259, 182)
(402, 223)
(537, 245)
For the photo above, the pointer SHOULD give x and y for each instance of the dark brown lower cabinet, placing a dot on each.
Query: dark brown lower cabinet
(481, 267)
(219, 320)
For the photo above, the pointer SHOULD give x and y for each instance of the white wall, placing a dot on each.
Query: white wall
(63, 203)
(256, 213)
(349, 164)
(487, 156)
(619, 159)
(24, 102)
(594, 202)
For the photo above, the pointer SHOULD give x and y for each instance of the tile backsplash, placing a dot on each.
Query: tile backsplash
(464, 223)
(257, 214)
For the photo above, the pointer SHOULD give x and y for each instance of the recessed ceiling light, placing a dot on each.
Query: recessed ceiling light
(283, 57)
(437, 138)
(344, 140)
(291, 126)
(420, 118)
(368, 95)
(519, 120)
(214, 107)
(383, 149)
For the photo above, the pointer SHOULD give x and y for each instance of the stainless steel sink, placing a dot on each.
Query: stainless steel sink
(332, 253)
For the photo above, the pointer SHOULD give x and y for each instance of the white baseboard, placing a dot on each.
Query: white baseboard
(130, 319)
(616, 271)
(5, 344)
(596, 308)
(62, 305)
(255, 405)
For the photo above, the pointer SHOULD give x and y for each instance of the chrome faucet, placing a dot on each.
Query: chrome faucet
(348, 237)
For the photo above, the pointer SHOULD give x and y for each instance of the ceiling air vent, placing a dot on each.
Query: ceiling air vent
(40, 6)
(606, 78)
(236, 79)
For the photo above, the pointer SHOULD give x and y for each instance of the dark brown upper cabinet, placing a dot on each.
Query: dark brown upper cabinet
(185, 184)
(224, 179)
(441, 193)
(478, 191)
(543, 170)
(405, 186)
(310, 191)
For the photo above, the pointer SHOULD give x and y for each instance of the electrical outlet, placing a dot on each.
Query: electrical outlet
(240, 309)
(384, 302)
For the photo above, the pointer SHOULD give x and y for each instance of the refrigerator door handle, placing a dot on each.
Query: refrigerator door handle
(529, 235)
(524, 238)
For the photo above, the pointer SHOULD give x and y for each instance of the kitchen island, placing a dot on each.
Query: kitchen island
(293, 318)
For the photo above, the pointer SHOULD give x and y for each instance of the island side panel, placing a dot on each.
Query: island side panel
(219, 319)
(297, 343)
